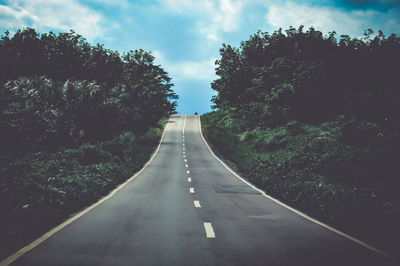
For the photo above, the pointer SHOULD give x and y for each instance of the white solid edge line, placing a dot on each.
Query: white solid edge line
(290, 208)
(197, 204)
(183, 129)
(39, 240)
(209, 230)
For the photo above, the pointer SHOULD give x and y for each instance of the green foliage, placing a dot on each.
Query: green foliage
(58, 90)
(306, 76)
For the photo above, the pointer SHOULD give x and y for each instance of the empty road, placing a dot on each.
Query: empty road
(186, 208)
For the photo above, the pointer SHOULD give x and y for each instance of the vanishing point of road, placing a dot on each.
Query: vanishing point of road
(186, 208)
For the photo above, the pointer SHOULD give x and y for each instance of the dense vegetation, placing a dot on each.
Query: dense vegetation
(315, 121)
(75, 119)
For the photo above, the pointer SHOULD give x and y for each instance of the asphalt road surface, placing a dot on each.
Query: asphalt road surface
(186, 208)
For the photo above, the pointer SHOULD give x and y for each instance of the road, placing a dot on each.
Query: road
(186, 208)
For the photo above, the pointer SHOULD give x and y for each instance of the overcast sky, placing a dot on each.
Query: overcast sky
(185, 35)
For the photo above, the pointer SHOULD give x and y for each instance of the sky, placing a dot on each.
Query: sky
(185, 35)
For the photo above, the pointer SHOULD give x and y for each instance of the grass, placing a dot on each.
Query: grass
(40, 190)
(341, 172)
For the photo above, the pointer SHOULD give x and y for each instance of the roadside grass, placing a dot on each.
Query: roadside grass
(341, 172)
(40, 190)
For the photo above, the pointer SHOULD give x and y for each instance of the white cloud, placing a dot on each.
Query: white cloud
(212, 16)
(109, 2)
(52, 15)
(195, 70)
(329, 19)
(10, 17)
(202, 70)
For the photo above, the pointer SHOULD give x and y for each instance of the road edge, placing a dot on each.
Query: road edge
(10, 259)
(290, 208)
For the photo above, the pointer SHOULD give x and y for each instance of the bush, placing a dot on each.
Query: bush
(91, 154)
(359, 132)
(151, 137)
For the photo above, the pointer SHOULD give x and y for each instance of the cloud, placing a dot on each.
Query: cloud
(194, 70)
(202, 70)
(108, 2)
(10, 17)
(46, 15)
(328, 19)
(211, 16)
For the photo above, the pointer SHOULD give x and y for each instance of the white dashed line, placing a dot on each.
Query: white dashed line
(191, 190)
(184, 156)
(186, 165)
(187, 172)
(185, 161)
(183, 144)
(183, 152)
(189, 179)
(209, 230)
(183, 148)
(197, 204)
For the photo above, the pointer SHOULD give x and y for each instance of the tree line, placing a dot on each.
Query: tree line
(58, 89)
(307, 76)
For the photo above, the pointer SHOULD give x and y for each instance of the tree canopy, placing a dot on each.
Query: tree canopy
(310, 77)
(58, 89)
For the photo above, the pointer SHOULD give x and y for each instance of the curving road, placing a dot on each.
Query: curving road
(186, 208)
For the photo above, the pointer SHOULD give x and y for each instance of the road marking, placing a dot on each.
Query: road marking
(187, 172)
(209, 230)
(184, 156)
(184, 125)
(183, 148)
(197, 204)
(185, 160)
(191, 190)
(183, 144)
(290, 208)
(39, 240)
(189, 179)
(186, 165)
